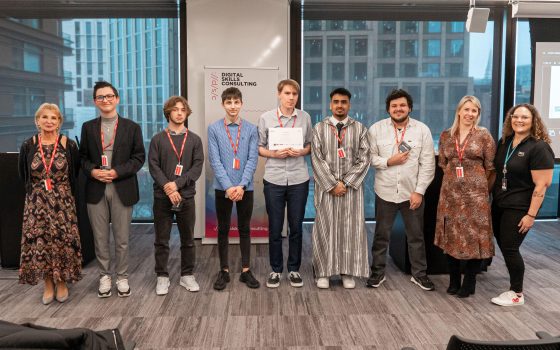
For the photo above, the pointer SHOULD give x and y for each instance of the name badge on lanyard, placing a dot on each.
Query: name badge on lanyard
(47, 181)
(235, 146)
(178, 170)
(341, 153)
(340, 150)
(236, 163)
(48, 184)
(179, 166)
(104, 162)
(459, 171)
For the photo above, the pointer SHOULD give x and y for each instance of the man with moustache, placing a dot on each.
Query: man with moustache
(175, 158)
(402, 152)
(112, 153)
(340, 158)
(286, 182)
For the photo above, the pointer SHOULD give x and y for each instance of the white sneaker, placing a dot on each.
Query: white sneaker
(509, 298)
(162, 286)
(323, 283)
(123, 289)
(348, 282)
(189, 283)
(104, 290)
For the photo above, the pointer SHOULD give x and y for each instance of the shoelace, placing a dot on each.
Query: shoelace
(295, 274)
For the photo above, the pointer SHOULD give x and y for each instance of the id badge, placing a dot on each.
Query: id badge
(341, 153)
(178, 170)
(459, 172)
(504, 184)
(236, 164)
(104, 162)
(48, 184)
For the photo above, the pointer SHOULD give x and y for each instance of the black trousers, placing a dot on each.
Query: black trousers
(244, 207)
(509, 240)
(163, 221)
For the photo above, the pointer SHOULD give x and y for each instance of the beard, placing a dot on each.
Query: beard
(399, 120)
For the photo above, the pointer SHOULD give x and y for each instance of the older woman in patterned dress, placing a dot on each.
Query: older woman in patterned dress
(50, 242)
(464, 225)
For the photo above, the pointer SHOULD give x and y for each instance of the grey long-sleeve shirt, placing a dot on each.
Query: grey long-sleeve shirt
(162, 161)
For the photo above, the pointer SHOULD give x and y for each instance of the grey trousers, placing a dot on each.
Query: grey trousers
(385, 213)
(111, 210)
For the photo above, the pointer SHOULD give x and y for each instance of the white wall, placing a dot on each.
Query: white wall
(235, 33)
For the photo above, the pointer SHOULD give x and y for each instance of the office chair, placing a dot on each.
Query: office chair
(545, 342)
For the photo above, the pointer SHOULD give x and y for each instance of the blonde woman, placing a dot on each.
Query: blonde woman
(50, 242)
(464, 226)
(524, 164)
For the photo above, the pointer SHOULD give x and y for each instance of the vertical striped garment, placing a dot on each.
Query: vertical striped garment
(339, 234)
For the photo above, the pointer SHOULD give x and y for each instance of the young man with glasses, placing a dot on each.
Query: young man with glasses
(175, 159)
(286, 181)
(112, 153)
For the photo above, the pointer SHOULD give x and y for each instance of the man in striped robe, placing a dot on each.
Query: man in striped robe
(340, 158)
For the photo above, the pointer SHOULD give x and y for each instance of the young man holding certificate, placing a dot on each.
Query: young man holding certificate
(285, 135)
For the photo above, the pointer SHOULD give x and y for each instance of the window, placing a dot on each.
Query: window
(409, 27)
(336, 47)
(313, 25)
(433, 27)
(409, 70)
(359, 71)
(432, 48)
(32, 57)
(386, 70)
(431, 70)
(409, 48)
(455, 47)
(336, 71)
(359, 47)
(456, 27)
(387, 48)
(314, 47)
(336, 25)
(388, 27)
(314, 71)
(359, 25)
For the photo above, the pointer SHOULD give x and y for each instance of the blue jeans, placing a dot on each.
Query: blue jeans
(276, 198)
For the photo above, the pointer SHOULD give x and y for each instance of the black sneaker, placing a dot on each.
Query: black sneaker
(375, 282)
(423, 282)
(248, 278)
(273, 280)
(295, 279)
(222, 280)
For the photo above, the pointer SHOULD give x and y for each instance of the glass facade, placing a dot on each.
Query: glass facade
(432, 60)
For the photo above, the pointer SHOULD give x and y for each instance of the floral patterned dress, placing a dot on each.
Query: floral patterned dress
(463, 224)
(50, 243)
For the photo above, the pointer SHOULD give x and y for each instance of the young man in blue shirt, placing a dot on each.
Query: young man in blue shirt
(233, 154)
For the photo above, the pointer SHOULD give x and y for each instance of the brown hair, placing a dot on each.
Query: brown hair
(290, 82)
(538, 129)
(170, 104)
(50, 107)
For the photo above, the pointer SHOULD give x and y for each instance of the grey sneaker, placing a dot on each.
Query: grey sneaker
(162, 286)
(123, 289)
(189, 283)
(104, 290)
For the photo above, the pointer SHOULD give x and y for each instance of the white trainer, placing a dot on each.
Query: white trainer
(162, 286)
(509, 298)
(189, 282)
(123, 289)
(348, 282)
(104, 290)
(323, 283)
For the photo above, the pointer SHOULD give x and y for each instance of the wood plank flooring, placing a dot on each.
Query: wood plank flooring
(395, 315)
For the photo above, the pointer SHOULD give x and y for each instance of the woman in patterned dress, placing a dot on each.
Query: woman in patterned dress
(463, 224)
(50, 242)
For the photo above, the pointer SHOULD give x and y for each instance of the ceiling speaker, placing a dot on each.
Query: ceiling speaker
(477, 19)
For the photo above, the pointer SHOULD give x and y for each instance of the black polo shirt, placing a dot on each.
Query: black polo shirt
(530, 154)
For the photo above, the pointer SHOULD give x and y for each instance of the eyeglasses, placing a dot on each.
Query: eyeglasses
(100, 98)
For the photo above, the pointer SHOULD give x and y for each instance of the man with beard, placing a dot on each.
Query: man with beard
(402, 152)
(340, 158)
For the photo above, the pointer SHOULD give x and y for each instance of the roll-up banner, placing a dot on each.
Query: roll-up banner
(258, 86)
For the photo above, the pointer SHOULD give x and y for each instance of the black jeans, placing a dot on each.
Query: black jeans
(385, 213)
(244, 208)
(276, 198)
(163, 221)
(506, 231)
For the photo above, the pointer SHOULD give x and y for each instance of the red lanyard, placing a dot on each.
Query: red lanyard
(179, 155)
(112, 140)
(236, 145)
(461, 152)
(402, 134)
(280, 122)
(335, 131)
(48, 168)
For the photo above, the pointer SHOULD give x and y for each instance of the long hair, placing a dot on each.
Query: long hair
(455, 126)
(538, 129)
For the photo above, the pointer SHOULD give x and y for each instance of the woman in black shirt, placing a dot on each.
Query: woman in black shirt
(524, 166)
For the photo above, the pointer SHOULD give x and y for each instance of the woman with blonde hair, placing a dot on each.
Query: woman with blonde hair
(524, 164)
(463, 224)
(50, 242)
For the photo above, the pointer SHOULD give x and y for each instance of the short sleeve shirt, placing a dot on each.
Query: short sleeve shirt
(530, 154)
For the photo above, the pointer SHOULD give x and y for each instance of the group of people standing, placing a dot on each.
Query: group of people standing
(342, 149)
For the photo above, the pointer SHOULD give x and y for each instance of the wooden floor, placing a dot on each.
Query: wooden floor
(397, 314)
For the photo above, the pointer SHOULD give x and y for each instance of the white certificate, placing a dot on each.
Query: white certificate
(280, 138)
